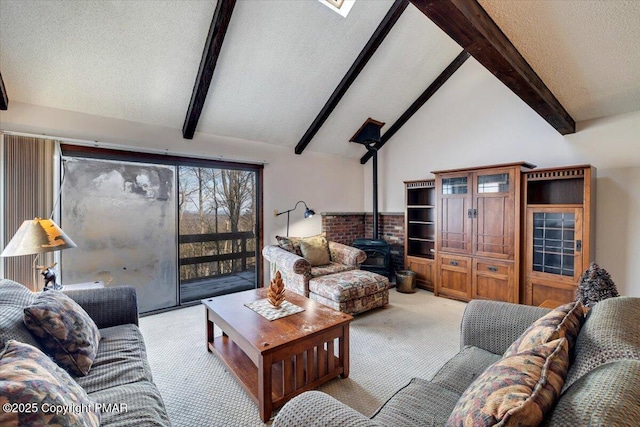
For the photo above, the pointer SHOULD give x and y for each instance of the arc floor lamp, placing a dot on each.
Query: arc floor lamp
(308, 213)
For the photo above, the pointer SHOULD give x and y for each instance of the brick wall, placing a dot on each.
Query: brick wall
(345, 227)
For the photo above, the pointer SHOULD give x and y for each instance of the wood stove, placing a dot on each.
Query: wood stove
(378, 255)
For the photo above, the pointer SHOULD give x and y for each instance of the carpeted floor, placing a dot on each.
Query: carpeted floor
(412, 337)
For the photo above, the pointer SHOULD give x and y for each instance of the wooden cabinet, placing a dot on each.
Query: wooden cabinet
(493, 279)
(478, 216)
(559, 232)
(420, 232)
(454, 273)
(424, 271)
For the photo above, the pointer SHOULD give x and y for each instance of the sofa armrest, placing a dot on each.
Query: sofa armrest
(347, 255)
(108, 306)
(286, 260)
(317, 409)
(493, 325)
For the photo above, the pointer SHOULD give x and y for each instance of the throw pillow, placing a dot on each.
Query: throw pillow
(32, 387)
(564, 321)
(517, 390)
(65, 331)
(315, 250)
(291, 244)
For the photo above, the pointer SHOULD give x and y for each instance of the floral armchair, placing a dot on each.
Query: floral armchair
(297, 271)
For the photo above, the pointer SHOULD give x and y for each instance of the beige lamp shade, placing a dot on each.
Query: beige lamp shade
(36, 236)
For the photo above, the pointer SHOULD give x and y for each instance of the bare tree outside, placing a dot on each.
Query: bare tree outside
(217, 222)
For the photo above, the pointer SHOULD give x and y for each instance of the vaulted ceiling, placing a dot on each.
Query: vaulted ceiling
(281, 60)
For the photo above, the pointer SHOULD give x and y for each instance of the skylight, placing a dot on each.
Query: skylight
(339, 6)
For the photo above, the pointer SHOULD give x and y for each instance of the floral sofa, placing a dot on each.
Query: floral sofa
(116, 387)
(504, 376)
(340, 284)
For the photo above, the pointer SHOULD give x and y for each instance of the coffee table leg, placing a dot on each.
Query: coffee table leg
(343, 344)
(265, 405)
(209, 329)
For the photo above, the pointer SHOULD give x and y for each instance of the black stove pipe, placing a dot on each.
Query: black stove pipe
(374, 155)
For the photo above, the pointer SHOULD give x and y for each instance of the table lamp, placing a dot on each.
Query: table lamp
(37, 236)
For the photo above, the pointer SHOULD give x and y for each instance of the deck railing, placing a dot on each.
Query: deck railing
(242, 255)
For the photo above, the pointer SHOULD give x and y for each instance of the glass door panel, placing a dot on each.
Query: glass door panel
(496, 183)
(454, 185)
(122, 216)
(554, 236)
(217, 236)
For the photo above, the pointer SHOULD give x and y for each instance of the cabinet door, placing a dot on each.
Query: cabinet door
(494, 213)
(454, 212)
(493, 280)
(454, 276)
(554, 243)
(424, 271)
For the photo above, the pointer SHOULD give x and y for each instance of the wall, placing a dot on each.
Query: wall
(474, 120)
(324, 182)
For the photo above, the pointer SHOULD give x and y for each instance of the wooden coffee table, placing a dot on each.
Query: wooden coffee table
(277, 360)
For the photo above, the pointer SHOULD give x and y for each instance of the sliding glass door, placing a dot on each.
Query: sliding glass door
(177, 229)
(217, 217)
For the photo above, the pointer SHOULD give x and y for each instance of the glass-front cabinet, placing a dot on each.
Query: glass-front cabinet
(559, 232)
(479, 232)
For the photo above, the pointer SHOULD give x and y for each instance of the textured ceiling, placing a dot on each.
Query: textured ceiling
(586, 52)
(282, 59)
(134, 60)
(279, 63)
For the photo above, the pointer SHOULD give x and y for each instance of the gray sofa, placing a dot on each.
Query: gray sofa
(120, 372)
(602, 387)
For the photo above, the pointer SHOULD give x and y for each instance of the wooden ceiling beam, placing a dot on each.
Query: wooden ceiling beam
(424, 97)
(466, 22)
(212, 48)
(367, 52)
(4, 98)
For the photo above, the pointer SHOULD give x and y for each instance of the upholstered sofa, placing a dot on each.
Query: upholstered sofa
(340, 284)
(120, 375)
(602, 387)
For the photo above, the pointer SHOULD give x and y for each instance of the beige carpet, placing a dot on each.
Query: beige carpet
(412, 337)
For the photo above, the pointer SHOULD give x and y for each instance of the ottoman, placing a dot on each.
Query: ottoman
(353, 291)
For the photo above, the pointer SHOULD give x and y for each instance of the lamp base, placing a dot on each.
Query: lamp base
(50, 280)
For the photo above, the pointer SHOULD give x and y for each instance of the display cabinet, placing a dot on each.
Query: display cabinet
(559, 231)
(420, 232)
(478, 233)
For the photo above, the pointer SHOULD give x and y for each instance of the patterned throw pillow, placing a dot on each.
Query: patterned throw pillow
(32, 386)
(291, 244)
(518, 390)
(65, 331)
(564, 321)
